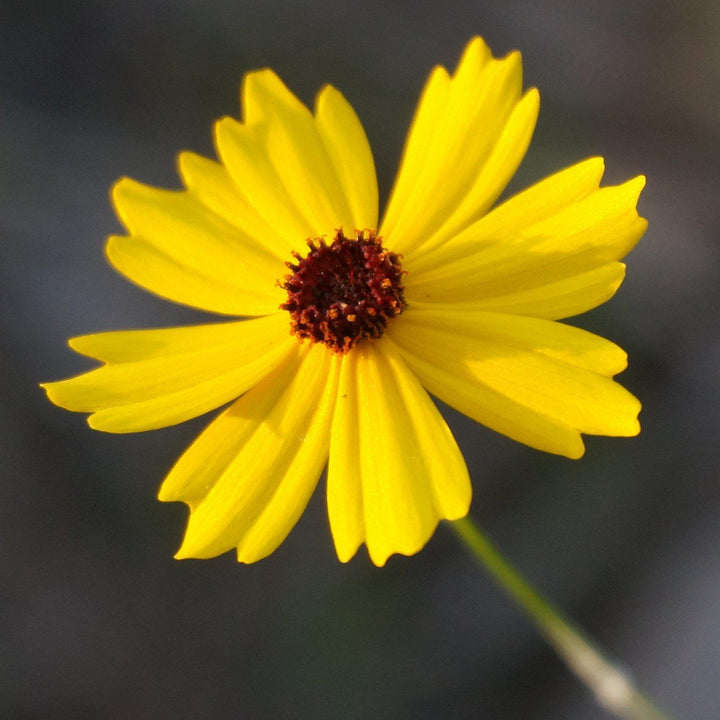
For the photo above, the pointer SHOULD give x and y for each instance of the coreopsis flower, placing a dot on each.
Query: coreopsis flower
(350, 321)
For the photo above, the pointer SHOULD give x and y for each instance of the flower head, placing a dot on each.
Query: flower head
(353, 321)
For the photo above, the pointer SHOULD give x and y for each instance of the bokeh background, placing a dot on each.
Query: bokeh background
(98, 620)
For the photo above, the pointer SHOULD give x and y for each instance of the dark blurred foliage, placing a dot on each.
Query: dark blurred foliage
(97, 620)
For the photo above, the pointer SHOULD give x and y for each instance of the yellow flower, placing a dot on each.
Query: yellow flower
(353, 321)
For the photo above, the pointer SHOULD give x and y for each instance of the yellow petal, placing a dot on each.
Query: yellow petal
(157, 378)
(539, 382)
(248, 478)
(599, 229)
(186, 253)
(496, 172)
(474, 144)
(566, 343)
(349, 150)
(197, 470)
(211, 184)
(562, 298)
(428, 116)
(296, 150)
(344, 483)
(242, 149)
(542, 200)
(136, 345)
(395, 470)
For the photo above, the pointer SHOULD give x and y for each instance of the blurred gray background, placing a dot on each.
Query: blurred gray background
(98, 620)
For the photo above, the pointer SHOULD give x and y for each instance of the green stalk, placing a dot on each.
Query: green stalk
(612, 687)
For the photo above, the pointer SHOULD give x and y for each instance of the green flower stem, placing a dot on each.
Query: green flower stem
(612, 687)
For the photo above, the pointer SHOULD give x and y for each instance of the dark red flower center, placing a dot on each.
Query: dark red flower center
(343, 292)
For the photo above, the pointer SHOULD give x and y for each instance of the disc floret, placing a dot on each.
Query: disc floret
(343, 292)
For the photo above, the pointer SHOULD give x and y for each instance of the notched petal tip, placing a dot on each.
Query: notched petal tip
(220, 130)
(46, 386)
(75, 343)
(252, 80)
(85, 345)
(345, 550)
(438, 73)
(532, 96)
(324, 94)
(346, 556)
(248, 556)
(60, 393)
(168, 492)
(593, 167)
(476, 41)
(576, 452)
(192, 549)
(96, 421)
(379, 557)
(112, 251)
(121, 194)
(118, 186)
(634, 429)
(57, 394)
(263, 92)
(263, 74)
(514, 58)
(475, 48)
(634, 187)
(186, 161)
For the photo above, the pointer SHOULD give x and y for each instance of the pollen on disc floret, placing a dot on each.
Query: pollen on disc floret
(344, 291)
